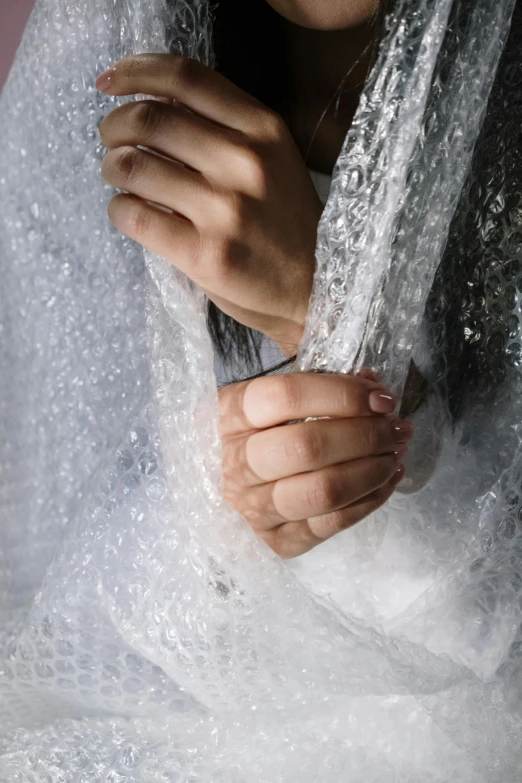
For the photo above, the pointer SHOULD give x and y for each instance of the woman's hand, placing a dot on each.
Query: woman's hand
(299, 484)
(245, 211)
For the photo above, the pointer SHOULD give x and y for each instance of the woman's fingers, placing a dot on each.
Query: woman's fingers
(278, 452)
(180, 135)
(165, 182)
(315, 494)
(300, 483)
(251, 199)
(269, 401)
(190, 82)
(165, 234)
(292, 539)
(367, 372)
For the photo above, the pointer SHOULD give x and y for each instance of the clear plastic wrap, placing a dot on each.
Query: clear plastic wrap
(147, 635)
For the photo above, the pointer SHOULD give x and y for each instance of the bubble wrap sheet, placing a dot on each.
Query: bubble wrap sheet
(147, 635)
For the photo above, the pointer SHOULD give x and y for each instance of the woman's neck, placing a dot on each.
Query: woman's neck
(319, 63)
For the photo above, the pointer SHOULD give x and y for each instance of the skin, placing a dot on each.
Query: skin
(320, 113)
(300, 484)
(245, 209)
(222, 191)
(327, 14)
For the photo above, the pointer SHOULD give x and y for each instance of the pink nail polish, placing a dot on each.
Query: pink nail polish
(402, 430)
(399, 475)
(381, 402)
(401, 450)
(105, 79)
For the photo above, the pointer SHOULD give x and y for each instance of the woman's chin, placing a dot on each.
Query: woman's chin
(326, 14)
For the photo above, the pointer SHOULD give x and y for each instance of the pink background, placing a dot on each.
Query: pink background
(13, 17)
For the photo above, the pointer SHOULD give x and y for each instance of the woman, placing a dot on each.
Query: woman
(147, 634)
(239, 216)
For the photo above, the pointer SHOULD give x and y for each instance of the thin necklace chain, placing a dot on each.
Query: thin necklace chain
(338, 93)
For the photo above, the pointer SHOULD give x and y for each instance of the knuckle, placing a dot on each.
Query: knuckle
(139, 221)
(145, 119)
(273, 125)
(218, 261)
(231, 209)
(323, 493)
(128, 163)
(282, 394)
(305, 447)
(249, 163)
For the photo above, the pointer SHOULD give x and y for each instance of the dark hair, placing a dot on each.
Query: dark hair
(249, 49)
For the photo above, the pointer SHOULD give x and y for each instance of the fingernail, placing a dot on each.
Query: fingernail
(399, 475)
(105, 79)
(401, 451)
(402, 430)
(381, 402)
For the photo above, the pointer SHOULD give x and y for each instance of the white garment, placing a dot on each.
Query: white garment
(322, 183)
